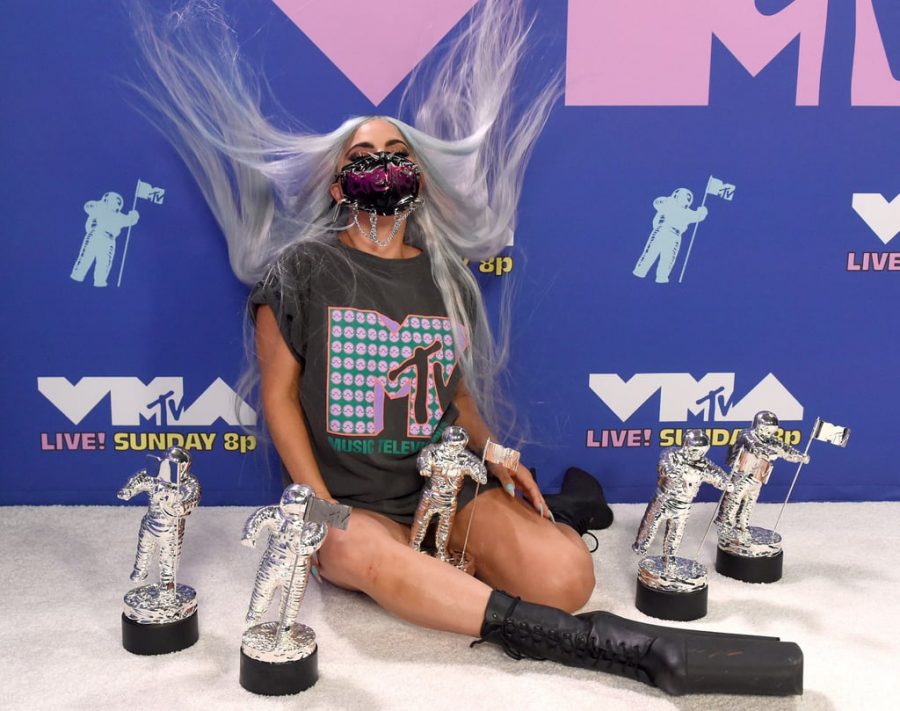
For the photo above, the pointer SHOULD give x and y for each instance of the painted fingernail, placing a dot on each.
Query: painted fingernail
(315, 573)
(550, 514)
(510, 489)
(541, 509)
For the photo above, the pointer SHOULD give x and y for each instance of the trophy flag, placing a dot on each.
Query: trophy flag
(824, 432)
(143, 191)
(833, 434)
(498, 454)
(719, 188)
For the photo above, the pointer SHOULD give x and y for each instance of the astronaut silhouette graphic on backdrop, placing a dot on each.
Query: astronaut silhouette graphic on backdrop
(673, 216)
(104, 224)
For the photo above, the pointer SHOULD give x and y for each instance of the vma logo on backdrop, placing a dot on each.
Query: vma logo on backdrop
(685, 399)
(152, 411)
(160, 402)
(682, 397)
(883, 219)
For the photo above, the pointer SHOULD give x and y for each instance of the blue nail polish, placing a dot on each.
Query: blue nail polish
(315, 572)
(510, 488)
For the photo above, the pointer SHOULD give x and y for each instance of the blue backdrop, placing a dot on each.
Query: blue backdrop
(785, 300)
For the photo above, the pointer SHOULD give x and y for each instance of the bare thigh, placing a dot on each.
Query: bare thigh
(374, 556)
(367, 526)
(517, 551)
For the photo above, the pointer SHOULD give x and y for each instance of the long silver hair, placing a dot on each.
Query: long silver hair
(268, 187)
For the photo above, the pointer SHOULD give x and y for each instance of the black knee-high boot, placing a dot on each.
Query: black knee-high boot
(675, 660)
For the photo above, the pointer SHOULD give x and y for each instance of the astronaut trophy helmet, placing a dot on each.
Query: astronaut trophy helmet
(455, 437)
(765, 423)
(173, 465)
(294, 500)
(683, 197)
(695, 444)
(112, 197)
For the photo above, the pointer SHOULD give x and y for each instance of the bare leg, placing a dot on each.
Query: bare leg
(373, 555)
(517, 551)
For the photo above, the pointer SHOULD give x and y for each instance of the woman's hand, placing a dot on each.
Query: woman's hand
(522, 479)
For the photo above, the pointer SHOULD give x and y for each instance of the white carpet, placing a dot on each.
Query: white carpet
(64, 571)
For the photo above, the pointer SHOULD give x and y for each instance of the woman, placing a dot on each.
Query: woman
(371, 339)
(509, 540)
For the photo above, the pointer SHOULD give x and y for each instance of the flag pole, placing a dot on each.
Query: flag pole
(128, 235)
(694, 233)
(797, 473)
(462, 557)
(709, 525)
(286, 596)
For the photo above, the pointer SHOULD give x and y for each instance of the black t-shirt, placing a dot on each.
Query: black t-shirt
(379, 360)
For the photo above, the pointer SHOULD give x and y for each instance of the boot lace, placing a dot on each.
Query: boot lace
(584, 649)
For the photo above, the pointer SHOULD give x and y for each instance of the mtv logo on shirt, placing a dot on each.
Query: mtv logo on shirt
(372, 357)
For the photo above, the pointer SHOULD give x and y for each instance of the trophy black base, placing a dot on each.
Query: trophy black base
(665, 605)
(161, 638)
(764, 569)
(279, 678)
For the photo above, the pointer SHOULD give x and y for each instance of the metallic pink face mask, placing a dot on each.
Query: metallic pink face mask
(383, 183)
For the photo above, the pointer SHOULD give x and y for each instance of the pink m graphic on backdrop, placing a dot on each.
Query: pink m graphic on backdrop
(659, 52)
(376, 62)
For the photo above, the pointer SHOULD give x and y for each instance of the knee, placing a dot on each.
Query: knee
(342, 552)
(569, 583)
(352, 559)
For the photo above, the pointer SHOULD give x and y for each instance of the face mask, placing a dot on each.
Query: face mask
(381, 183)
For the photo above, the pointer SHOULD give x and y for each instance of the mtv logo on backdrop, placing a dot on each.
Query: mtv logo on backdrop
(132, 402)
(681, 396)
(659, 52)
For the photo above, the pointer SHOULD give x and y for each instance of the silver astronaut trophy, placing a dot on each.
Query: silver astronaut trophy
(746, 552)
(161, 617)
(670, 587)
(445, 465)
(280, 657)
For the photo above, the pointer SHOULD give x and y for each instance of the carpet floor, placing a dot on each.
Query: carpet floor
(65, 569)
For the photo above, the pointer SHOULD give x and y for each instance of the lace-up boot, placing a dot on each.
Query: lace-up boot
(677, 661)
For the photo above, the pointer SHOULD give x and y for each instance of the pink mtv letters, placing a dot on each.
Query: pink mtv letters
(659, 52)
